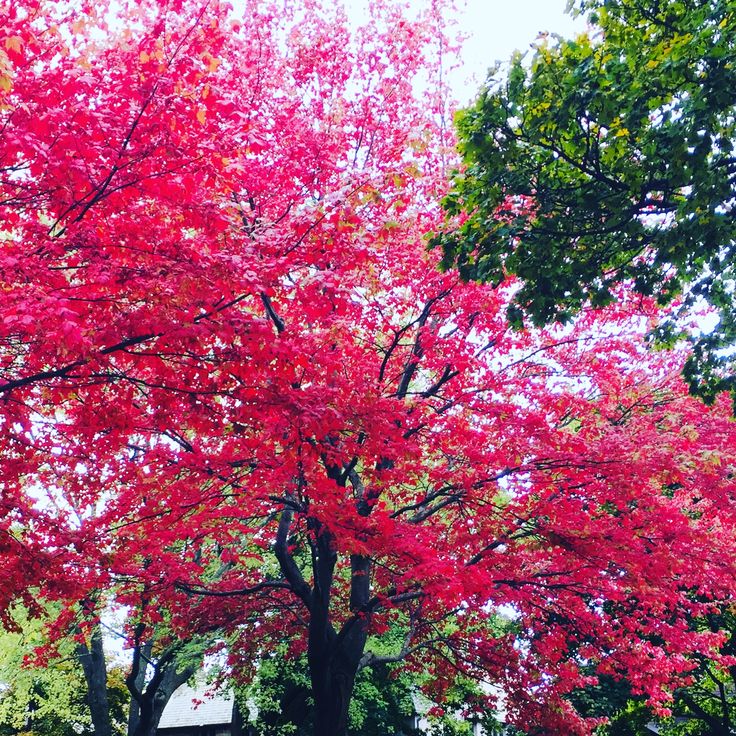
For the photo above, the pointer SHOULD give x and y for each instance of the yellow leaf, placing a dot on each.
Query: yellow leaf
(143, 57)
(201, 115)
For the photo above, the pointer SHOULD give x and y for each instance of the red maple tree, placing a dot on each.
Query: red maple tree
(238, 395)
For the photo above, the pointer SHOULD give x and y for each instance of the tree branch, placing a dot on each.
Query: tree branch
(289, 568)
(201, 590)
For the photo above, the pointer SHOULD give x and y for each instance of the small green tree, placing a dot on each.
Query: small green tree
(47, 698)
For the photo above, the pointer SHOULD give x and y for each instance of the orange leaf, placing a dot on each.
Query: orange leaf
(14, 43)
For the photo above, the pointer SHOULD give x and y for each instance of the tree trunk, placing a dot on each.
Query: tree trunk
(150, 712)
(332, 689)
(237, 726)
(148, 707)
(334, 658)
(139, 683)
(92, 659)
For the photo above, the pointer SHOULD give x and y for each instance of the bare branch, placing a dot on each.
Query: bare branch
(271, 312)
(289, 568)
(417, 350)
(201, 590)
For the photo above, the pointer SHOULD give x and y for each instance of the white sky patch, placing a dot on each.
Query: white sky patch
(495, 29)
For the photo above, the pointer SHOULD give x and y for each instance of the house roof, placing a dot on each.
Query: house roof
(185, 709)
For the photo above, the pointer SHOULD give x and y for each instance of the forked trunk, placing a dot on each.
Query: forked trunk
(147, 709)
(150, 714)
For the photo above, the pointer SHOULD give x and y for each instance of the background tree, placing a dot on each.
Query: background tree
(236, 386)
(387, 699)
(48, 696)
(609, 159)
(160, 661)
(58, 675)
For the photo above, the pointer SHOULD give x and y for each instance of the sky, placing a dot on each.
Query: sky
(493, 30)
(496, 28)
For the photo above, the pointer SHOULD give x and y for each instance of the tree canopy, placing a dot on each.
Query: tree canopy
(238, 396)
(609, 159)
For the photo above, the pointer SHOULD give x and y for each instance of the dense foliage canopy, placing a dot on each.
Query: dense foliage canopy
(238, 395)
(610, 159)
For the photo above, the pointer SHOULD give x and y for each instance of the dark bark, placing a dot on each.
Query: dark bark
(237, 726)
(334, 658)
(139, 682)
(94, 666)
(149, 700)
(716, 726)
(332, 688)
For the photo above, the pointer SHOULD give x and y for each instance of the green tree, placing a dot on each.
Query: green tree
(609, 160)
(279, 699)
(386, 701)
(48, 698)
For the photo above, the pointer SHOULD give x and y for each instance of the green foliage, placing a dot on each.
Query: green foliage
(47, 699)
(630, 720)
(385, 701)
(35, 695)
(605, 699)
(610, 159)
(280, 703)
(465, 696)
(278, 699)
